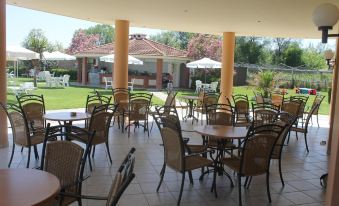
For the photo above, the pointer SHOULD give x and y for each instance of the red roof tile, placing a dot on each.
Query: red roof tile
(137, 46)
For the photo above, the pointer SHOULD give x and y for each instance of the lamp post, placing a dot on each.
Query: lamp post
(325, 17)
(328, 54)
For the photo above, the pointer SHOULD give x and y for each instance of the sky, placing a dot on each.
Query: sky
(58, 28)
(20, 21)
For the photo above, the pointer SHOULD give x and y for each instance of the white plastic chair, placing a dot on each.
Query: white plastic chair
(65, 80)
(49, 80)
(198, 86)
(130, 85)
(27, 87)
(213, 87)
(108, 82)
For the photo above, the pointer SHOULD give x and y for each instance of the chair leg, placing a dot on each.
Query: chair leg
(305, 136)
(214, 184)
(288, 138)
(36, 152)
(268, 186)
(280, 173)
(162, 174)
(93, 151)
(239, 189)
(10, 160)
(190, 177)
(79, 202)
(249, 182)
(181, 188)
(22, 149)
(29, 156)
(108, 152)
(89, 161)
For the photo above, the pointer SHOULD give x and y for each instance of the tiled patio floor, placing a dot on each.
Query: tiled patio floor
(301, 172)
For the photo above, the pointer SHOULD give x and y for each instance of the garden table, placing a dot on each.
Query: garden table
(66, 117)
(190, 100)
(21, 186)
(222, 133)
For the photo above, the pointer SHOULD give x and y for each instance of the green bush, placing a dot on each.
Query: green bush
(61, 71)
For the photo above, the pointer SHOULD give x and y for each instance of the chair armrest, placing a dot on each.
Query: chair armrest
(209, 150)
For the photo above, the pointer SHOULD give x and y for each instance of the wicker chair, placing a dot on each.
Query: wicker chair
(302, 107)
(66, 159)
(169, 102)
(204, 100)
(121, 97)
(92, 101)
(20, 130)
(219, 114)
(176, 159)
(277, 99)
(304, 128)
(241, 109)
(264, 113)
(122, 179)
(100, 122)
(256, 154)
(34, 108)
(317, 100)
(283, 119)
(138, 110)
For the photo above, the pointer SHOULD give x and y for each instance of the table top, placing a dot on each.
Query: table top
(221, 131)
(27, 186)
(190, 97)
(66, 116)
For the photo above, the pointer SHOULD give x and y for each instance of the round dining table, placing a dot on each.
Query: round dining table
(190, 101)
(19, 186)
(66, 117)
(222, 131)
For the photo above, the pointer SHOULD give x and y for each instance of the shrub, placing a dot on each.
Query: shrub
(62, 71)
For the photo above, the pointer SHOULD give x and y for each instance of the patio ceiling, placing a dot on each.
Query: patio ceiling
(275, 18)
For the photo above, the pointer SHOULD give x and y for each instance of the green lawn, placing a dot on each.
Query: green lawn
(324, 108)
(67, 97)
(75, 97)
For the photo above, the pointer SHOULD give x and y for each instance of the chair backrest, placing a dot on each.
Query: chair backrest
(257, 149)
(219, 114)
(214, 86)
(259, 99)
(309, 115)
(122, 179)
(100, 122)
(65, 159)
(292, 107)
(65, 78)
(120, 95)
(48, 77)
(277, 99)
(34, 108)
(164, 112)
(139, 104)
(303, 100)
(103, 99)
(241, 104)
(108, 80)
(17, 119)
(92, 101)
(174, 149)
(170, 99)
(264, 113)
(318, 100)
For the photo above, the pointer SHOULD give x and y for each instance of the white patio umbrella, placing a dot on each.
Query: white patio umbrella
(131, 60)
(57, 56)
(204, 63)
(15, 53)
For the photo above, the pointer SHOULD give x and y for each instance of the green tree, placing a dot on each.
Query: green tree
(250, 50)
(168, 38)
(279, 47)
(313, 58)
(293, 54)
(38, 42)
(106, 33)
(56, 46)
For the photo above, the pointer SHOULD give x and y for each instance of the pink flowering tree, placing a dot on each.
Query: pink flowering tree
(204, 45)
(81, 41)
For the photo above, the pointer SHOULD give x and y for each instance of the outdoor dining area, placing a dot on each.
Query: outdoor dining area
(124, 150)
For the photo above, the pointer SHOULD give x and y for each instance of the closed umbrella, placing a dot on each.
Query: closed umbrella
(15, 53)
(204, 63)
(131, 60)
